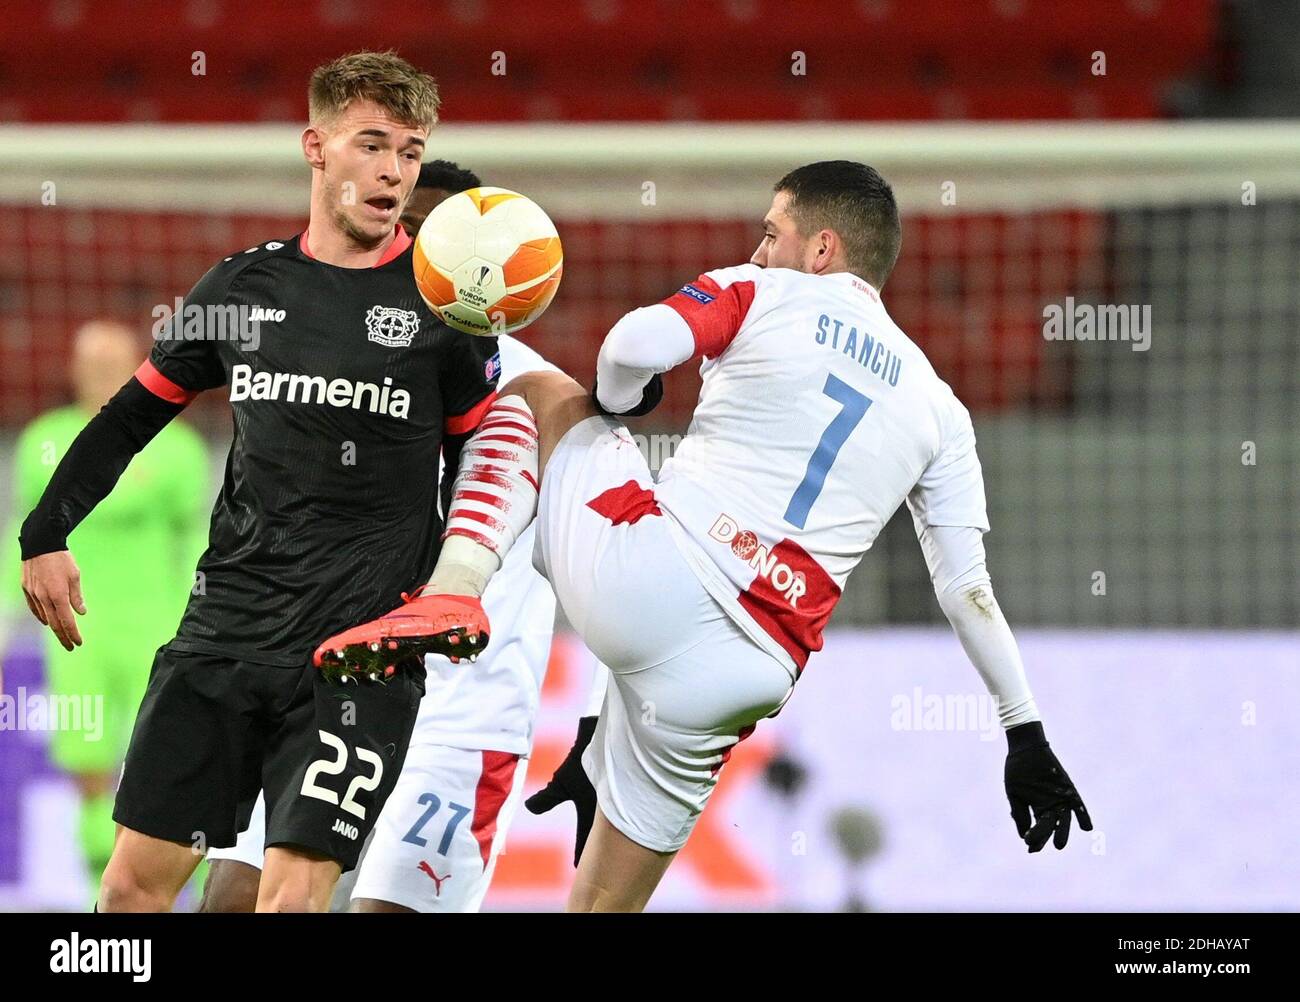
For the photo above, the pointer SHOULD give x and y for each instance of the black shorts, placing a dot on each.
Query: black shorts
(213, 731)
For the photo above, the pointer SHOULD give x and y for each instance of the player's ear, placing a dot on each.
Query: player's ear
(824, 246)
(313, 147)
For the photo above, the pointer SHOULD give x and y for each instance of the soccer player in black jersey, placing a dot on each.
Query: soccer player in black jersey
(343, 387)
(232, 886)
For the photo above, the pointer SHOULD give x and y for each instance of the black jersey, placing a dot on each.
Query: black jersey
(342, 390)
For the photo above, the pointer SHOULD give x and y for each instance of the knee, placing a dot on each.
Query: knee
(231, 887)
(592, 898)
(295, 896)
(122, 890)
(286, 899)
(294, 883)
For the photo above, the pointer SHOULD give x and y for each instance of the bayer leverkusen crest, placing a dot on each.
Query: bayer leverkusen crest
(391, 327)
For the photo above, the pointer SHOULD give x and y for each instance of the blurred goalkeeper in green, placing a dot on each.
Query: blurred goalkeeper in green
(137, 552)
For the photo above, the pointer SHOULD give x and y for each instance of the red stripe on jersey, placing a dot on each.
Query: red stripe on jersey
(797, 628)
(627, 504)
(531, 479)
(160, 386)
(463, 424)
(401, 241)
(493, 788)
(716, 323)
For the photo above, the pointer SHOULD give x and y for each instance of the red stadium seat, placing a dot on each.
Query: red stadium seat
(613, 59)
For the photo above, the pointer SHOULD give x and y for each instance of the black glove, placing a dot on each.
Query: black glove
(1034, 778)
(570, 783)
(650, 397)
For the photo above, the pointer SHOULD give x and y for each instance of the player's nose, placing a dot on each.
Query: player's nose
(390, 172)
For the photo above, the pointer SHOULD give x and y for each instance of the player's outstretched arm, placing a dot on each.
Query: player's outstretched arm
(1034, 778)
(84, 477)
(637, 350)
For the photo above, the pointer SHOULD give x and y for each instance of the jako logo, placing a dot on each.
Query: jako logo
(346, 830)
(265, 313)
(102, 956)
(294, 388)
(746, 546)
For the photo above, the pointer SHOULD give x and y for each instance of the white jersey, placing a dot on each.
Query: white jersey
(492, 704)
(818, 417)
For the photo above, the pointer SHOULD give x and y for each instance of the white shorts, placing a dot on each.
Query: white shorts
(250, 845)
(686, 683)
(436, 842)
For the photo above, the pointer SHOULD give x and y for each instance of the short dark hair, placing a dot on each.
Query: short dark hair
(383, 77)
(857, 203)
(447, 176)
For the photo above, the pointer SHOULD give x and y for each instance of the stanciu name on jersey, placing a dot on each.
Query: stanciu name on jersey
(298, 388)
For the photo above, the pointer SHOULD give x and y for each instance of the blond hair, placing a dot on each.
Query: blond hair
(409, 96)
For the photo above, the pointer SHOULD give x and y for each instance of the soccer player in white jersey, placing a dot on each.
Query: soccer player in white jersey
(705, 592)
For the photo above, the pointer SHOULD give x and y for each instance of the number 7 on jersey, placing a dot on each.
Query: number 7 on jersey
(855, 405)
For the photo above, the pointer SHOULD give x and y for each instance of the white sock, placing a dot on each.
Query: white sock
(493, 499)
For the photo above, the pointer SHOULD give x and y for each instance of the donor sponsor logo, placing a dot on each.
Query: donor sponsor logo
(75, 955)
(745, 545)
(296, 388)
